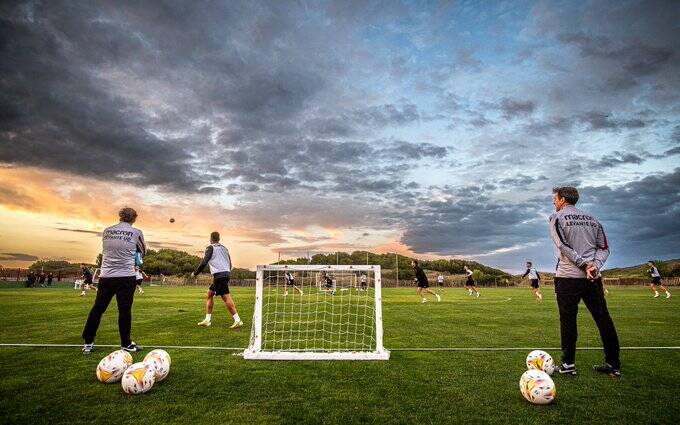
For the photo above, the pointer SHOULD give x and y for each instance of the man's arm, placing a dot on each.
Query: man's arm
(538, 276)
(602, 251)
(141, 245)
(526, 273)
(564, 247)
(204, 262)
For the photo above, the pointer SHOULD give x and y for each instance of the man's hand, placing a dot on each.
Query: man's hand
(193, 274)
(591, 270)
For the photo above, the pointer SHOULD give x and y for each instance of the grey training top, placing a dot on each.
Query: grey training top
(579, 238)
(119, 245)
(218, 258)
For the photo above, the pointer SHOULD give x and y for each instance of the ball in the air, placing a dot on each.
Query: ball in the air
(540, 360)
(138, 378)
(537, 387)
(172, 220)
(111, 368)
(160, 361)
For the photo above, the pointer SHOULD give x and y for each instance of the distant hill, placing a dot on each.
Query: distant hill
(667, 268)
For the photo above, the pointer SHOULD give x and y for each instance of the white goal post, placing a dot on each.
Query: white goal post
(317, 312)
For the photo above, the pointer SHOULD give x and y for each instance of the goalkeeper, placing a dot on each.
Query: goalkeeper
(218, 258)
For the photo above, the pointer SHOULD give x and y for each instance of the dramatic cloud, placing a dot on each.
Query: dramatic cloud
(314, 125)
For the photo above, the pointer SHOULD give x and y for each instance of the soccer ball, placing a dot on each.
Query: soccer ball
(111, 368)
(537, 387)
(138, 378)
(540, 360)
(172, 220)
(160, 361)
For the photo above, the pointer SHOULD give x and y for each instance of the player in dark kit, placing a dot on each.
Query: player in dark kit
(535, 278)
(87, 279)
(328, 283)
(421, 280)
(582, 250)
(218, 258)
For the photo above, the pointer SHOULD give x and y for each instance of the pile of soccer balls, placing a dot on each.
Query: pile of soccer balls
(135, 378)
(536, 385)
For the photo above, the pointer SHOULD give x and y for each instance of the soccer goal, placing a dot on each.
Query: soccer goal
(317, 312)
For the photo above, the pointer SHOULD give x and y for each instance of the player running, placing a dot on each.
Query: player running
(421, 279)
(535, 278)
(656, 279)
(290, 281)
(218, 258)
(87, 277)
(582, 250)
(120, 243)
(470, 282)
(139, 278)
(363, 283)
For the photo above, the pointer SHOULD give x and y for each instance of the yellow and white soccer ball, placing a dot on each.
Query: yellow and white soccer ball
(111, 368)
(537, 387)
(160, 361)
(540, 360)
(138, 378)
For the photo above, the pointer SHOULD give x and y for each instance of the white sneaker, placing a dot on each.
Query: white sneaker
(668, 294)
(424, 301)
(82, 294)
(656, 295)
(141, 291)
(205, 323)
(236, 325)
(285, 294)
(478, 294)
(438, 297)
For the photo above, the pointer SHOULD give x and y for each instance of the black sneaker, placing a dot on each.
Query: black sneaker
(608, 369)
(88, 348)
(132, 348)
(567, 369)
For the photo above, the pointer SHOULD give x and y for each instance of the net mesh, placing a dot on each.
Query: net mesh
(318, 311)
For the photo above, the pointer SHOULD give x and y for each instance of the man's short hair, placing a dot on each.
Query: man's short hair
(415, 262)
(127, 215)
(530, 263)
(570, 194)
(215, 236)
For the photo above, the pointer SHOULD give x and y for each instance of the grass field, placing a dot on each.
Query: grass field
(58, 385)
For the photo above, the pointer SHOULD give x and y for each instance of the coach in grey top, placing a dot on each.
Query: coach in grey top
(120, 245)
(582, 250)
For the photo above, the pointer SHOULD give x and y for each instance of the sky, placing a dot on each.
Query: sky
(434, 129)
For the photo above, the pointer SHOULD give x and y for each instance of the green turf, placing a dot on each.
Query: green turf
(57, 385)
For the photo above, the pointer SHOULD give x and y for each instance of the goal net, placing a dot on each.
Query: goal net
(317, 312)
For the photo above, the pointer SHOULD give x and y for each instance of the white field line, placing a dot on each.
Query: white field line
(432, 349)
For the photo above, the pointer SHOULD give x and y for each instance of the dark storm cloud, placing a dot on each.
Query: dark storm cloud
(641, 217)
(617, 158)
(512, 108)
(17, 256)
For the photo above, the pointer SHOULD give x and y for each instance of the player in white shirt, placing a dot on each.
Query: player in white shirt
(362, 280)
(656, 279)
(290, 281)
(440, 282)
(139, 278)
(535, 278)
